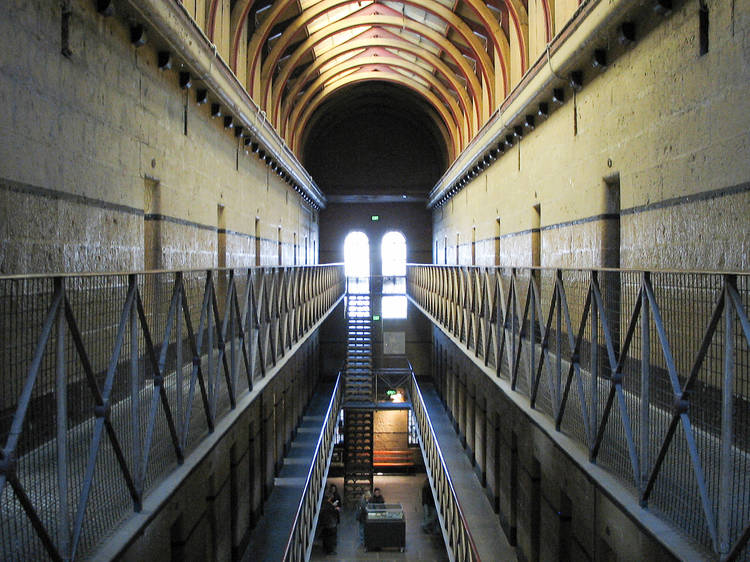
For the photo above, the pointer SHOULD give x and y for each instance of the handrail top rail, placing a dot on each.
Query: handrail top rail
(583, 269)
(73, 274)
(301, 505)
(472, 544)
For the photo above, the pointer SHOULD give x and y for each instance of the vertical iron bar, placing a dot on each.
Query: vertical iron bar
(645, 403)
(210, 348)
(558, 353)
(135, 409)
(63, 523)
(725, 463)
(178, 366)
(532, 340)
(594, 378)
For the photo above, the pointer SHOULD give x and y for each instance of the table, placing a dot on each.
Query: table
(385, 526)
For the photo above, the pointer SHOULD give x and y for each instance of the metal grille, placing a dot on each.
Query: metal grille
(109, 381)
(648, 371)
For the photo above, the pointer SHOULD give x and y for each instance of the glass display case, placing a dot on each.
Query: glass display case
(385, 526)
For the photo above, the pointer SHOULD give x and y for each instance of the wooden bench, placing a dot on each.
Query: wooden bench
(393, 460)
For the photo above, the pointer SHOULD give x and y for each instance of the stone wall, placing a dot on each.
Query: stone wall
(651, 150)
(106, 164)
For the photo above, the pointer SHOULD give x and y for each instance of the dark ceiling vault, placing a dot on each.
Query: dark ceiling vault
(375, 140)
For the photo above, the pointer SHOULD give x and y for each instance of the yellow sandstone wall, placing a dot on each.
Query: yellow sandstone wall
(106, 164)
(672, 125)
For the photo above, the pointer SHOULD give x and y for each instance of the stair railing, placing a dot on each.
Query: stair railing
(302, 535)
(458, 540)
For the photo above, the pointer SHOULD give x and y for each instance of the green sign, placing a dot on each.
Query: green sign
(375, 218)
(390, 392)
(375, 317)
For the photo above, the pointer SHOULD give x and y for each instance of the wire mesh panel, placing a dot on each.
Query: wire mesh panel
(648, 371)
(111, 380)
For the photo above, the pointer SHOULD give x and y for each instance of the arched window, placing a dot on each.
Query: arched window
(357, 262)
(393, 256)
(393, 252)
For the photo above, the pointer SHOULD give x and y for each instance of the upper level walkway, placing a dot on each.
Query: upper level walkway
(270, 536)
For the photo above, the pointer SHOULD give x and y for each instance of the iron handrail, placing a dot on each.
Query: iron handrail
(459, 536)
(300, 540)
(122, 376)
(620, 360)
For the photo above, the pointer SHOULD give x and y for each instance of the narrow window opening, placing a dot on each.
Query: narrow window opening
(575, 115)
(237, 159)
(536, 509)
(67, 12)
(176, 540)
(278, 245)
(703, 28)
(565, 535)
(221, 237)
(519, 156)
(611, 280)
(257, 241)
(514, 484)
(497, 241)
(295, 248)
(458, 245)
(445, 251)
(151, 225)
(536, 242)
(306, 256)
(185, 118)
(474, 245)
(611, 237)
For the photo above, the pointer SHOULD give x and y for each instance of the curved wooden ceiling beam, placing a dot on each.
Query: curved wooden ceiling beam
(497, 36)
(211, 22)
(486, 66)
(475, 88)
(472, 82)
(331, 75)
(520, 17)
(381, 77)
(281, 113)
(240, 10)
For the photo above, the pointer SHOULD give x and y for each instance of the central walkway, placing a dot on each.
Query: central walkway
(405, 490)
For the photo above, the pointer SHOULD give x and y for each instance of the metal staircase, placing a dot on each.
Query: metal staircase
(358, 399)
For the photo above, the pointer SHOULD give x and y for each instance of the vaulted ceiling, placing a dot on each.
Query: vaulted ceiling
(459, 59)
(293, 55)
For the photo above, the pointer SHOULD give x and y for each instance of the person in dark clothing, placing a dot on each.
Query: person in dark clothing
(336, 498)
(328, 521)
(377, 496)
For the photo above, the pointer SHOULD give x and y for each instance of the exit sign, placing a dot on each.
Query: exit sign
(375, 218)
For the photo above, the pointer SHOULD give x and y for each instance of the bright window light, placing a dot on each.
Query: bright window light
(357, 263)
(393, 306)
(357, 255)
(393, 252)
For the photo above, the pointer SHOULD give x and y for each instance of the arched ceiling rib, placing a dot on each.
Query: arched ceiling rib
(457, 55)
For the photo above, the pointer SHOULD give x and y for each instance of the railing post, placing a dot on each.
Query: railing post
(135, 398)
(645, 403)
(61, 394)
(727, 412)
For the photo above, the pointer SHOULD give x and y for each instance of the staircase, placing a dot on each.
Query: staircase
(358, 399)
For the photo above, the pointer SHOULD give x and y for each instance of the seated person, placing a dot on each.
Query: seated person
(377, 496)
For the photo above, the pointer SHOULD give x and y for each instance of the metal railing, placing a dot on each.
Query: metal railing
(459, 542)
(649, 371)
(300, 543)
(111, 380)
